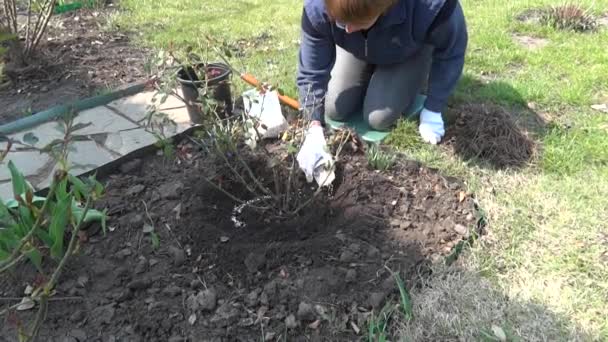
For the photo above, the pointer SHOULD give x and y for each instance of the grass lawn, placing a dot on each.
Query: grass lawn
(542, 271)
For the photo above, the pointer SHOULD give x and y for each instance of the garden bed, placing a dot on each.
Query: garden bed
(316, 277)
(80, 56)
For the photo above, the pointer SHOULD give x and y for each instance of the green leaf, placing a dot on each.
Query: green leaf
(104, 221)
(35, 257)
(30, 138)
(80, 189)
(5, 216)
(4, 254)
(80, 126)
(59, 220)
(8, 239)
(49, 147)
(20, 185)
(27, 218)
(406, 300)
(155, 240)
(80, 137)
(44, 237)
(61, 192)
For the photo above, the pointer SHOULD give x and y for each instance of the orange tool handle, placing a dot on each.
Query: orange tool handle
(286, 100)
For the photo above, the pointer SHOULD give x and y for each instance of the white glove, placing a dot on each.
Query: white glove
(314, 159)
(431, 126)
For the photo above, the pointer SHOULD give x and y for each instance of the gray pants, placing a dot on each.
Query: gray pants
(383, 92)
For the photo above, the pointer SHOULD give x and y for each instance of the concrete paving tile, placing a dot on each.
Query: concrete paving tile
(128, 141)
(87, 155)
(134, 107)
(181, 119)
(103, 120)
(6, 191)
(29, 163)
(45, 133)
(84, 157)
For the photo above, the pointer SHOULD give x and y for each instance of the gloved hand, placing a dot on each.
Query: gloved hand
(313, 157)
(431, 126)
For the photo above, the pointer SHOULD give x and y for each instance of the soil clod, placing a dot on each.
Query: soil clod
(255, 261)
(291, 322)
(305, 312)
(461, 229)
(171, 190)
(207, 299)
(139, 284)
(376, 299)
(351, 276)
(178, 254)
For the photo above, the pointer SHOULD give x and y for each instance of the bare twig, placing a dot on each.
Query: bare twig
(45, 17)
(29, 20)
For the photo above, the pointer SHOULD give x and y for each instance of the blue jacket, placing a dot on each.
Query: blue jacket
(398, 34)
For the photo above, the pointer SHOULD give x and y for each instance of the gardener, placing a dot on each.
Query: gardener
(374, 57)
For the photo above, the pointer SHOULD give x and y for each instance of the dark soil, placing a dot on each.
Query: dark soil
(317, 277)
(79, 57)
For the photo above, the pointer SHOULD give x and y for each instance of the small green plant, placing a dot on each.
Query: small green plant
(35, 228)
(569, 17)
(378, 324)
(405, 136)
(378, 159)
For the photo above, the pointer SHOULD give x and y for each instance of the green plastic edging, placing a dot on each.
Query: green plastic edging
(80, 105)
(59, 9)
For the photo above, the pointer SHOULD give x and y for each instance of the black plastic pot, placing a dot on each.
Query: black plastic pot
(217, 83)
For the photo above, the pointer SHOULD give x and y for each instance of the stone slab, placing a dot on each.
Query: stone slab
(84, 157)
(29, 163)
(45, 133)
(128, 141)
(103, 120)
(6, 191)
(136, 107)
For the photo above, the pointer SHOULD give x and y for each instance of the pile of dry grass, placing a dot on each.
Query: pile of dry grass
(489, 133)
(569, 17)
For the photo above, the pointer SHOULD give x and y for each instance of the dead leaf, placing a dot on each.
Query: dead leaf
(148, 228)
(355, 327)
(601, 107)
(499, 333)
(224, 239)
(462, 196)
(28, 290)
(192, 319)
(26, 304)
(178, 211)
(315, 325)
(283, 274)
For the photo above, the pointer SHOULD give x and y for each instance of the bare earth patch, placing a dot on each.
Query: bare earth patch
(77, 58)
(531, 43)
(316, 277)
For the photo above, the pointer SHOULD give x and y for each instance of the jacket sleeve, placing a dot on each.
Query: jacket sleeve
(449, 40)
(315, 60)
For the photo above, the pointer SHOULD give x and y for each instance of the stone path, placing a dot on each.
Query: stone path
(116, 129)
